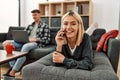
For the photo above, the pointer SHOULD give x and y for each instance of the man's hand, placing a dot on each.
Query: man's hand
(58, 57)
(6, 42)
(32, 39)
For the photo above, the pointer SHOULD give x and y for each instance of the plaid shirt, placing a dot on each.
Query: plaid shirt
(43, 33)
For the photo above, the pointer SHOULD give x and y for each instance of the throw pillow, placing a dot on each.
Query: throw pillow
(103, 42)
(95, 37)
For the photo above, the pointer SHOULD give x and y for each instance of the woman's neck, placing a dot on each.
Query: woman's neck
(72, 43)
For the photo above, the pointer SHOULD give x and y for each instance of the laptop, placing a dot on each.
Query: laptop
(20, 36)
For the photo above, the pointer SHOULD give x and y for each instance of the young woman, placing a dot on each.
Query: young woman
(74, 49)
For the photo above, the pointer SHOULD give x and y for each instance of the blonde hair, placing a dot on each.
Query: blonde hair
(80, 25)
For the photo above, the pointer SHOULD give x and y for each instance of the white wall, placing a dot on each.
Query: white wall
(119, 20)
(8, 14)
(29, 5)
(105, 12)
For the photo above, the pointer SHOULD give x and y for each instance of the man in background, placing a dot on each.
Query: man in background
(39, 36)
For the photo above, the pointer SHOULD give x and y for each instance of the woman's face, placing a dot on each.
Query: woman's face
(70, 25)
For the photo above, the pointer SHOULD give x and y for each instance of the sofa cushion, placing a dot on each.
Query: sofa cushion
(53, 32)
(101, 62)
(2, 37)
(43, 70)
(95, 37)
(37, 53)
(103, 69)
(48, 72)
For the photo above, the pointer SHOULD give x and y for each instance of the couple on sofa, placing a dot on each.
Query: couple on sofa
(73, 48)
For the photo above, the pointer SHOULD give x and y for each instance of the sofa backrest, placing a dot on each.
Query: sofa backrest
(53, 32)
(9, 35)
(95, 37)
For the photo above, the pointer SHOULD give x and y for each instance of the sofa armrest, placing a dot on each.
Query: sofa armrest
(3, 37)
(113, 52)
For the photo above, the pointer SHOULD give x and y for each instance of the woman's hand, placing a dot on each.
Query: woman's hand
(60, 39)
(58, 57)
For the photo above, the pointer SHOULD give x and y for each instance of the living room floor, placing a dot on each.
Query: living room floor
(5, 67)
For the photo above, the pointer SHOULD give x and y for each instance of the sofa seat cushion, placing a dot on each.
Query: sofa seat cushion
(37, 53)
(42, 72)
(43, 69)
(103, 68)
(101, 61)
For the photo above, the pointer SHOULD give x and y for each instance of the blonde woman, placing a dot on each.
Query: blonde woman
(73, 49)
(73, 45)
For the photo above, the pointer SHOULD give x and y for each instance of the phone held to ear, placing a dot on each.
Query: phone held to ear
(62, 35)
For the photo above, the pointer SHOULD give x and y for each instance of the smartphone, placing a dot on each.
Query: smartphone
(62, 35)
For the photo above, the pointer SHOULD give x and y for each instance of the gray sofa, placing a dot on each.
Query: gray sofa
(105, 65)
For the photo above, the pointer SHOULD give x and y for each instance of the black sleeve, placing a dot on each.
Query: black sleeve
(87, 57)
